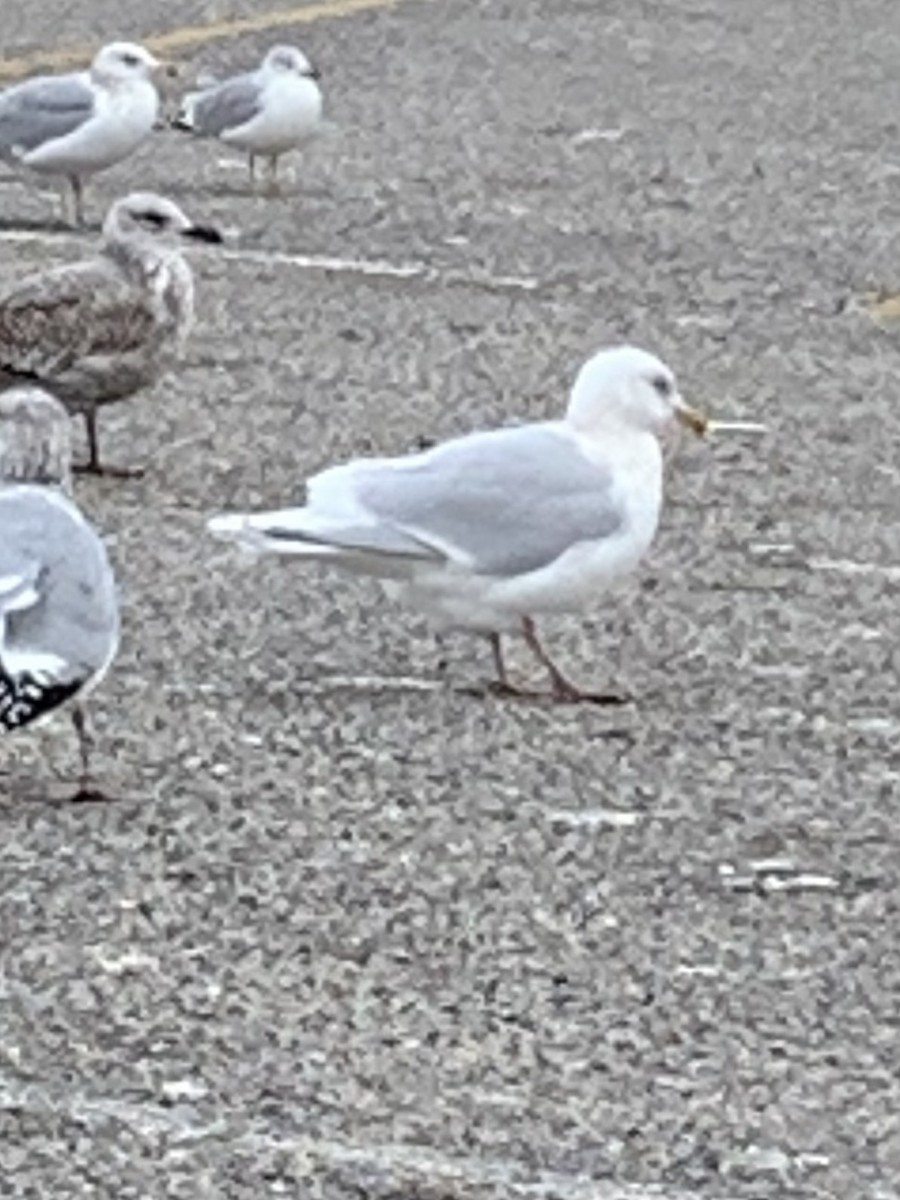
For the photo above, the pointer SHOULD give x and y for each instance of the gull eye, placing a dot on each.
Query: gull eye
(662, 385)
(131, 60)
(154, 219)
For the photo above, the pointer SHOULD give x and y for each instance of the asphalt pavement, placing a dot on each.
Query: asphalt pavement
(349, 931)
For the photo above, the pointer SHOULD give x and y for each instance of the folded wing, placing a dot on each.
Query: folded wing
(226, 106)
(50, 322)
(41, 110)
(503, 503)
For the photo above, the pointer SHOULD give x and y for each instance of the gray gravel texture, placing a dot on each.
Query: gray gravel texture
(348, 937)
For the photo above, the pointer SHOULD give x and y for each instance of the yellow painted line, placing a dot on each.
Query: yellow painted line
(195, 35)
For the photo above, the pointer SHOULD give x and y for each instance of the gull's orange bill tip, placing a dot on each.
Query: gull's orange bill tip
(693, 419)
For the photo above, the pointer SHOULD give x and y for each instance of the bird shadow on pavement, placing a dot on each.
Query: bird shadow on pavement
(18, 790)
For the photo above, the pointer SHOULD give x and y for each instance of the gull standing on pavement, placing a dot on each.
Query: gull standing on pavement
(98, 331)
(265, 113)
(484, 532)
(75, 125)
(59, 616)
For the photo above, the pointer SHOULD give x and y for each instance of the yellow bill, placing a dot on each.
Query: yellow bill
(691, 418)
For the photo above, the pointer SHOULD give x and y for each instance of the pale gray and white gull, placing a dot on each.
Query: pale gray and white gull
(35, 439)
(78, 124)
(59, 615)
(487, 531)
(265, 113)
(97, 331)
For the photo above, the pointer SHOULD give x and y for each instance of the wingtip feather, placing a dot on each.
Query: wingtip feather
(228, 526)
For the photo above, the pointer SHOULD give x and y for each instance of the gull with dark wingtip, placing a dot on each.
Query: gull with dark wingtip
(75, 125)
(98, 331)
(265, 113)
(59, 617)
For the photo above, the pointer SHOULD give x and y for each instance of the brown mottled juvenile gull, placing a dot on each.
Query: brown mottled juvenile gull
(265, 113)
(59, 615)
(487, 531)
(77, 124)
(98, 331)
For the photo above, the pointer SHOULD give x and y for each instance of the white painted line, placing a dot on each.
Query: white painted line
(174, 1091)
(381, 268)
(584, 137)
(592, 818)
(412, 1168)
(764, 548)
(132, 962)
(321, 262)
(772, 866)
(801, 883)
(510, 283)
(876, 725)
(779, 671)
(30, 235)
(373, 268)
(846, 566)
(369, 683)
(708, 322)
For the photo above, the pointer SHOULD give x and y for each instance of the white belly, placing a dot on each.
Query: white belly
(291, 113)
(122, 121)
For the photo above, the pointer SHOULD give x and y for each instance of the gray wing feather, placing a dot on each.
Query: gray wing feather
(513, 500)
(75, 616)
(226, 106)
(366, 539)
(42, 109)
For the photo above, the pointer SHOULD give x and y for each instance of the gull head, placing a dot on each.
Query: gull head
(289, 60)
(35, 438)
(627, 387)
(123, 62)
(146, 217)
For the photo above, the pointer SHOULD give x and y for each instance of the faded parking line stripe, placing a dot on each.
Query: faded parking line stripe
(379, 267)
(847, 566)
(196, 35)
(323, 262)
(372, 268)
